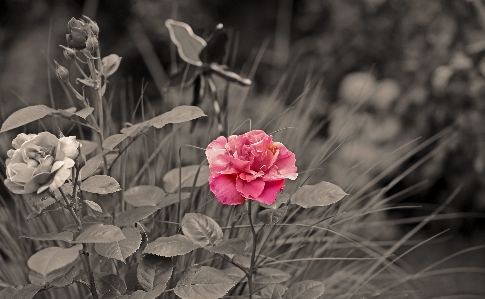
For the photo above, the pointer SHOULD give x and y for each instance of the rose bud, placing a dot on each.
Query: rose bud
(69, 53)
(69, 146)
(92, 25)
(62, 72)
(92, 43)
(77, 34)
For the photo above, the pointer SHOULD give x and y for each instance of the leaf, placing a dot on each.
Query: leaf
(235, 274)
(100, 184)
(9, 292)
(100, 233)
(143, 295)
(90, 167)
(230, 246)
(87, 146)
(93, 206)
(216, 46)
(201, 229)
(27, 292)
(83, 113)
(229, 76)
(321, 194)
(62, 236)
(171, 178)
(270, 275)
(111, 284)
(132, 216)
(177, 115)
(170, 246)
(282, 198)
(112, 141)
(188, 44)
(271, 217)
(25, 116)
(273, 291)
(53, 258)
(203, 282)
(154, 272)
(307, 289)
(66, 279)
(110, 64)
(170, 199)
(142, 196)
(120, 250)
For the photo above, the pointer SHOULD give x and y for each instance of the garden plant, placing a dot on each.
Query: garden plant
(237, 219)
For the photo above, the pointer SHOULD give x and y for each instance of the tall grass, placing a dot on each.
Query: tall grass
(352, 246)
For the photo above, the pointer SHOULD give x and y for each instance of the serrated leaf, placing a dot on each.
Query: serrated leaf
(132, 216)
(143, 196)
(87, 221)
(120, 250)
(271, 217)
(229, 247)
(270, 275)
(62, 236)
(39, 279)
(282, 198)
(307, 289)
(111, 284)
(100, 184)
(170, 246)
(201, 229)
(83, 113)
(321, 194)
(154, 272)
(202, 282)
(66, 279)
(27, 292)
(235, 274)
(94, 206)
(110, 64)
(273, 291)
(25, 115)
(188, 44)
(177, 115)
(87, 146)
(90, 167)
(171, 178)
(100, 233)
(52, 258)
(112, 141)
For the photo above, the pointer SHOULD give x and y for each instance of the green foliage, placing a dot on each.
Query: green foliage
(53, 258)
(132, 216)
(121, 250)
(319, 195)
(202, 282)
(170, 246)
(154, 272)
(188, 174)
(100, 233)
(201, 230)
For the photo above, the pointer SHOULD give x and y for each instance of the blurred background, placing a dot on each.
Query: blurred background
(405, 69)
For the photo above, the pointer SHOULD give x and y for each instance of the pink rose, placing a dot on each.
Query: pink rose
(249, 166)
(39, 161)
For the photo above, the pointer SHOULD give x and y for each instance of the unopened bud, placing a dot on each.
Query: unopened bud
(62, 72)
(92, 25)
(92, 43)
(68, 53)
(80, 160)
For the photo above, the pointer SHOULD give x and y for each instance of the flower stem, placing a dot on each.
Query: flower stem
(90, 273)
(253, 253)
(71, 210)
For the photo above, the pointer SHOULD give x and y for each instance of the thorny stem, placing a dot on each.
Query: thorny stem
(79, 224)
(71, 210)
(253, 253)
(90, 272)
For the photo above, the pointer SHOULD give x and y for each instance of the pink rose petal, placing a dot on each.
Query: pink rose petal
(271, 188)
(224, 187)
(250, 189)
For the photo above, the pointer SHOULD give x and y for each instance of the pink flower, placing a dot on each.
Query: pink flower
(39, 162)
(249, 166)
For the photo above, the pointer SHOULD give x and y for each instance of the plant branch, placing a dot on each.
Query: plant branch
(253, 253)
(90, 273)
(71, 210)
